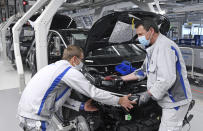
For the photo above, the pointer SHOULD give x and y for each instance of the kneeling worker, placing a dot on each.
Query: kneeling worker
(51, 87)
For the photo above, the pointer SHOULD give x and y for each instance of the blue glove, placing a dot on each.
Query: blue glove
(140, 74)
(82, 106)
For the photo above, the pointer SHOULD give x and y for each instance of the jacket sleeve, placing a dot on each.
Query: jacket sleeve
(165, 72)
(77, 81)
(73, 104)
(141, 72)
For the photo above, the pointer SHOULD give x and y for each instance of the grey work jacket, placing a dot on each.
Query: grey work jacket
(166, 74)
(51, 87)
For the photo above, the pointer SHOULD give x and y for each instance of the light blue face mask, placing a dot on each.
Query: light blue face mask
(79, 66)
(143, 41)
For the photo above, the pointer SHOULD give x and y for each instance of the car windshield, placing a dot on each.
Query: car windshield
(27, 34)
(124, 50)
(79, 39)
(79, 36)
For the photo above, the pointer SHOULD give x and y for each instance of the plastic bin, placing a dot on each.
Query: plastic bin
(125, 68)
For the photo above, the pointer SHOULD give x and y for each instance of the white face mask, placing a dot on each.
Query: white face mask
(79, 66)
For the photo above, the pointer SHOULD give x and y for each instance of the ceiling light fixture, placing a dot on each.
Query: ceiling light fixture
(162, 12)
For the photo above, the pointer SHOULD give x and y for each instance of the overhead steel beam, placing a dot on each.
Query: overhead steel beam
(89, 12)
(100, 4)
(99, 12)
(189, 8)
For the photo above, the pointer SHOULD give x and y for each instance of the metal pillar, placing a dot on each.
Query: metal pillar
(15, 8)
(42, 25)
(7, 10)
(16, 33)
(193, 57)
(3, 33)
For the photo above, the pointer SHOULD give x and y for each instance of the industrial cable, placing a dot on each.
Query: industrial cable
(197, 91)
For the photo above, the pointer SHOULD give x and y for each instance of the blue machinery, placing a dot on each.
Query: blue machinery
(196, 41)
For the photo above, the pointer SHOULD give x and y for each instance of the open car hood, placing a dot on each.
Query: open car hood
(116, 28)
(58, 22)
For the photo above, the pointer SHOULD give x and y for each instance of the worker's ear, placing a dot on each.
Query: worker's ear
(152, 30)
(75, 59)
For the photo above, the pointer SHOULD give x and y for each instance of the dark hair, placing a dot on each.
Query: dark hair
(71, 51)
(147, 24)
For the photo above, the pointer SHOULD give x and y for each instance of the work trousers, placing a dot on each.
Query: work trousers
(172, 119)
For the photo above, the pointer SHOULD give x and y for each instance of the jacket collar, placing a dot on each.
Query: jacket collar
(65, 62)
(150, 49)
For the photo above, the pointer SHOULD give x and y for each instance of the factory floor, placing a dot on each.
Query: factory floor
(9, 98)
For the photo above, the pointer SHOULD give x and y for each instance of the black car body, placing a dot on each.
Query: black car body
(110, 41)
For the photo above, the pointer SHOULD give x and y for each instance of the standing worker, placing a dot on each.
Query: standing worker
(51, 87)
(166, 73)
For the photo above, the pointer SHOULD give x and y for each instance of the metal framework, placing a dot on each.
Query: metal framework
(16, 33)
(4, 31)
(1, 44)
(193, 57)
(42, 25)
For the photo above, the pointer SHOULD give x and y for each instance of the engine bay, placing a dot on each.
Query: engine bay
(113, 118)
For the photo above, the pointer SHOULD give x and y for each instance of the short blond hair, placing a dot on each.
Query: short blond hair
(70, 51)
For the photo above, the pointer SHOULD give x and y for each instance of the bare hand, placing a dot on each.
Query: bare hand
(126, 103)
(111, 77)
(89, 106)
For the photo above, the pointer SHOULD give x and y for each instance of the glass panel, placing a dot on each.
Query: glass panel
(117, 50)
(79, 36)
